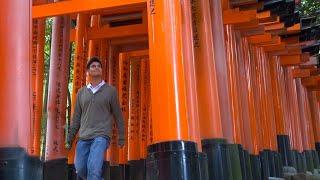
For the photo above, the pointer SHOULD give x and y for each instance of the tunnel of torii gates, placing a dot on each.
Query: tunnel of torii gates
(210, 89)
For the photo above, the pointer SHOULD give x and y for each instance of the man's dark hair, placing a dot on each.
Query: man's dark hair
(92, 60)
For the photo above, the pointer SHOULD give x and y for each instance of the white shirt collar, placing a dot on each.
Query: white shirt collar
(95, 89)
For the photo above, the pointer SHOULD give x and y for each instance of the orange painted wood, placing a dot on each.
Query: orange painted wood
(294, 29)
(15, 113)
(293, 107)
(276, 90)
(124, 80)
(169, 109)
(78, 6)
(144, 106)
(78, 69)
(117, 32)
(250, 123)
(104, 54)
(220, 60)
(233, 66)
(264, 14)
(94, 45)
(134, 110)
(232, 16)
(315, 114)
(190, 73)
(275, 26)
(287, 60)
(305, 117)
(260, 38)
(57, 90)
(207, 83)
(113, 79)
(301, 73)
(38, 29)
(277, 47)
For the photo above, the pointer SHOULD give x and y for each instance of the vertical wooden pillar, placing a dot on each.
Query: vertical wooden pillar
(144, 106)
(79, 65)
(220, 60)
(314, 106)
(134, 110)
(38, 30)
(315, 112)
(113, 79)
(94, 45)
(207, 91)
(306, 126)
(283, 125)
(294, 115)
(55, 156)
(190, 73)
(104, 52)
(16, 97)
(124, 80)
(136, 165)
(250, 85)
(232, 63)
(168, 90)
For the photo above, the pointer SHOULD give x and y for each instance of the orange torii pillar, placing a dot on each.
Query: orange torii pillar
(38, 31)
(283, 124)
(293, 108)
(253, 125)
(124, 75)
(171, 154)
(315, 114)
(113, 79)
(239, 100)
(16, 94)
(210, 121)
(260, 164)
(135, 164)
(188, 13)
(144, 105)
(104, 54)
(274, 158)
(306, 126)
(94, 45)
(78, 76)
(55, 164)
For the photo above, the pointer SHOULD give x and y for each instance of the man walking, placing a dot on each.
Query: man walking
(96, 105)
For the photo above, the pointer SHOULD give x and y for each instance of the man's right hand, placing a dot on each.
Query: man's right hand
(68, 146)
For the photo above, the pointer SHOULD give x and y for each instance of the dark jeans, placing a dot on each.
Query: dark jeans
(90, 156)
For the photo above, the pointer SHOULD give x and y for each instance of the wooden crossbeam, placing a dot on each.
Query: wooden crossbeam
(116, 32)
(113, 32)
(77, 6)
(287, 51)
(138, 53)
(263, 15)
(260, 38)
(275, 26)
(294, 29)
(232, 16)
(274, 47)
(312, 82)
(288, 60)
(301, 73)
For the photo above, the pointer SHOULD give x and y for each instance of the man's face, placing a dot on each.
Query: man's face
(95, 69)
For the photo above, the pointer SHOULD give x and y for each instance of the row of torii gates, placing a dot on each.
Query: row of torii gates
(233, 86)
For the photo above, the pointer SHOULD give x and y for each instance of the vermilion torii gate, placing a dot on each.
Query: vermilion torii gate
(210, 89)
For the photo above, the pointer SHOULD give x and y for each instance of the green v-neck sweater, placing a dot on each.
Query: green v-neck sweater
(94, 114)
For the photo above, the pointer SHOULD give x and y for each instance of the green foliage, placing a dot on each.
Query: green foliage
(309, 8)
